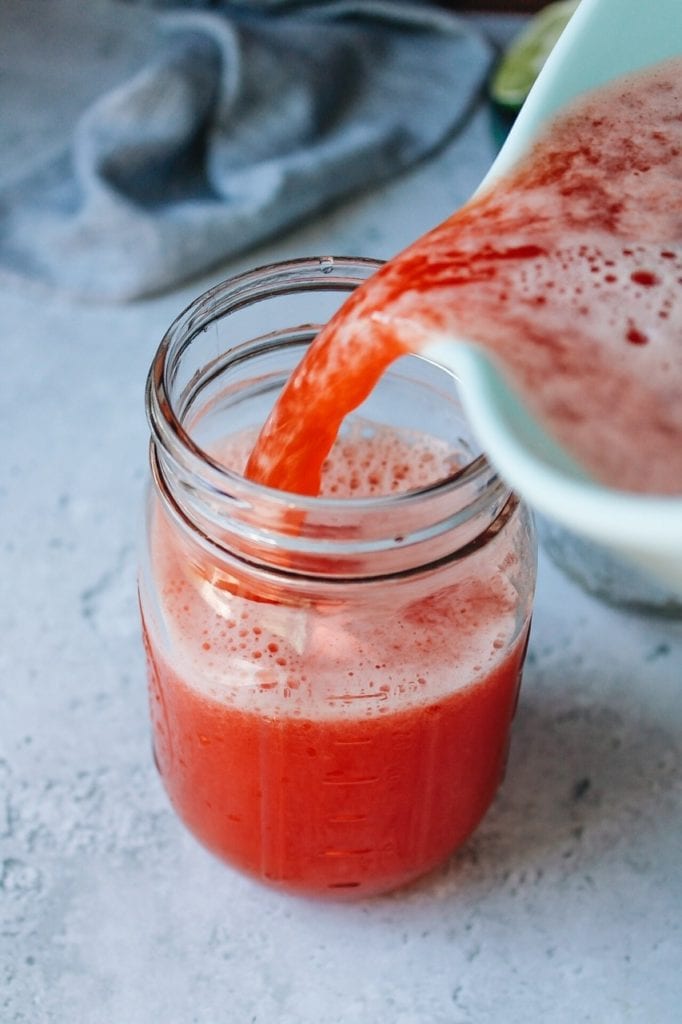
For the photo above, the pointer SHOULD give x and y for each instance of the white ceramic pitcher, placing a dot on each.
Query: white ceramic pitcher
(604, 39)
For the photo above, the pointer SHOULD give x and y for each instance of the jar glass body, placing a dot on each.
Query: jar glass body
(332, 680)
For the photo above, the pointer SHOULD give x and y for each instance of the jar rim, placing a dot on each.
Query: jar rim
(246, 288)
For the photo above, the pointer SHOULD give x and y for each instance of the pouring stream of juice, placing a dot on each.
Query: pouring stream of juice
(565, 270)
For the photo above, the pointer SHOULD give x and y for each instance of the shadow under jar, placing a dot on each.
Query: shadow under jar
(332, 680)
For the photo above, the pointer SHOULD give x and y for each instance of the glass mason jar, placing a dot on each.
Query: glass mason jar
(332, 680)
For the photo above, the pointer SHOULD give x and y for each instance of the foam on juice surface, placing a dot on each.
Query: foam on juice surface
(321, 662)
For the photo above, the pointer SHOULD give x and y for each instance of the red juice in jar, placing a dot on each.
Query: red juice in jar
(338, 723)
(352, 799)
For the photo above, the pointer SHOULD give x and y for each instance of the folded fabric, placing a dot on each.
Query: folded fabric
(242, 122)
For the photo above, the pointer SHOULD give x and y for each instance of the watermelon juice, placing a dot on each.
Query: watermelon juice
(335, 623)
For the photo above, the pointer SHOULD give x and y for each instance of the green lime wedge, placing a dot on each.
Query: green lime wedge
(524, 58)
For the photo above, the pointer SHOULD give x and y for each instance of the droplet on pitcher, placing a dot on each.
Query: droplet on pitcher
(326, 264)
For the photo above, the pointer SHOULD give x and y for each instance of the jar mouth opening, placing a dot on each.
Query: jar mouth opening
(167, 421)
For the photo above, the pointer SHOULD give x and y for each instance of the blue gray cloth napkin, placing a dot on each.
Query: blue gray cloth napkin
(246, 118)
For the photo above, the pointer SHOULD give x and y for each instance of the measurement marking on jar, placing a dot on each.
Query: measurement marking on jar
(364, 780)
(381, 695)
(353, 743)
(348, 853)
